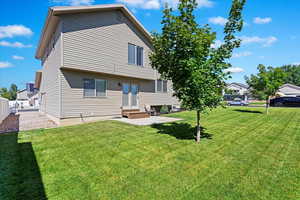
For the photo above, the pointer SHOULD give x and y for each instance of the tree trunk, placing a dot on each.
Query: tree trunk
(267, 104)
(198, 127)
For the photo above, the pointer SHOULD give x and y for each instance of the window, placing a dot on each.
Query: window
(100, 88)
(131, 54)
(139, 56)
(135, 55)
(165, 86)
(161, 86)
(94, 88)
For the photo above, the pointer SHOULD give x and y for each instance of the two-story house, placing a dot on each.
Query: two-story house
(95, 64)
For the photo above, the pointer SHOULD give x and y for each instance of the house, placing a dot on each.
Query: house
(238, 88)
(26, 98)
(289, 90)
(95, 65)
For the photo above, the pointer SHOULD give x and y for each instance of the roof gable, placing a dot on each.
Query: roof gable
(239, 85)
(53, 20)
(290, 86)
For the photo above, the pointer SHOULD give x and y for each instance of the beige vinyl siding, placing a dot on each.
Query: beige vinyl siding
(98, 42)
(50, 84)
(149, 96)
(22, 95)
(74, 104)
(289, 90)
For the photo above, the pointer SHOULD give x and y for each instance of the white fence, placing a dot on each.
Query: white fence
(4, 109)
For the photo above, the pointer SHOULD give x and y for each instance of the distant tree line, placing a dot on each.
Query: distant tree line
(9, 93)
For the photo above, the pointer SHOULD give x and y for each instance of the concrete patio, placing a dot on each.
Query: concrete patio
(23, 121)
(147, 121)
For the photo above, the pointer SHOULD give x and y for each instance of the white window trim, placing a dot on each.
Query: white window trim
(95, 90)
(162, 86)
(136, 57)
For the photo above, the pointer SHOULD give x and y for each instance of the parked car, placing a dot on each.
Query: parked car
(286, 101)
(238, 102)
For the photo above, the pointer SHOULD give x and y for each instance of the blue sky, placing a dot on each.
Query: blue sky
(271, 35)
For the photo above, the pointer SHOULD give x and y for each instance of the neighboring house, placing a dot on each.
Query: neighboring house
(238, 88)
(289, 90)
(95, 64)
(26, 98)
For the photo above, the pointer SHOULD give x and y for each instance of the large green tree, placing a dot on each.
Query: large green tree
(266, 82)
(292, 74)
(184, 54)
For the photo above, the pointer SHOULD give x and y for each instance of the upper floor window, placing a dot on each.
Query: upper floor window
(94, 88)
(135, 55)
(161, 86)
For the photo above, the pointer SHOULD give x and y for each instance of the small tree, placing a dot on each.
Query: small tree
(10, 94)
(4, 93)
(183, 53)
(266, 83)
(13, 90)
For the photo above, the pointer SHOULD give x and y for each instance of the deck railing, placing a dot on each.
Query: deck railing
(4, 109)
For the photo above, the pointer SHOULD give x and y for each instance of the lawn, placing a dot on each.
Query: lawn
(244, 154)
(258, 103)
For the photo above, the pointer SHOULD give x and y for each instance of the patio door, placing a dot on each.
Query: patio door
(130, 96)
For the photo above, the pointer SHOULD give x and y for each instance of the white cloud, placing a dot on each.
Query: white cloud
(267, 41)
(234, 70)
(144, 4)
(5, 64)
(217, 44)
(259, 20)
(296, 63)
(242, 54)
(74, 2)
(151, 4)
(14, 30)
(218, 20)
(157, 4)
(14, 44)
(15, 57)
(205, 3)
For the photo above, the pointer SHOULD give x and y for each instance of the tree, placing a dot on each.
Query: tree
(292, 74)
(4, 93)
(13, 91)
(266, 83)
(183, 53)
(10, 94)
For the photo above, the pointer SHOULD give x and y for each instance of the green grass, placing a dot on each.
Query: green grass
(258, 103)
(244, 155)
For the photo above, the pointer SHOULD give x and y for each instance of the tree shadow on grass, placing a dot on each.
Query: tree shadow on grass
(19, 171)
(181, 131)
(248, 111)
